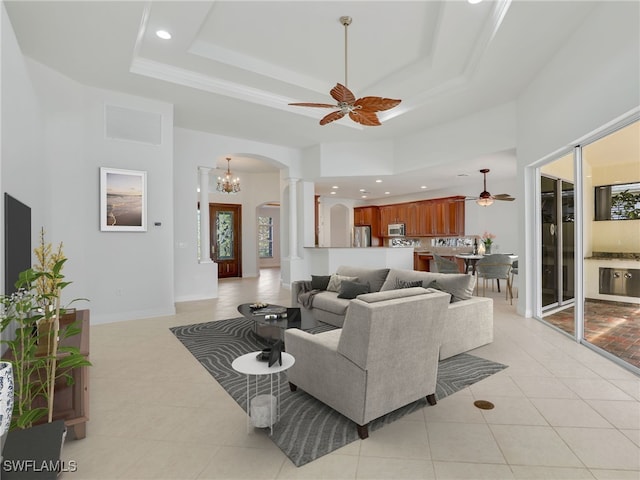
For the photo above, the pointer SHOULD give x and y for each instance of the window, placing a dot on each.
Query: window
(265, 237)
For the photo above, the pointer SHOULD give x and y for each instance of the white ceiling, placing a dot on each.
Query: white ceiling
(232, 67)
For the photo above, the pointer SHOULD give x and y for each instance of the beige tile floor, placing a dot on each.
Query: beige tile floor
(561, 411)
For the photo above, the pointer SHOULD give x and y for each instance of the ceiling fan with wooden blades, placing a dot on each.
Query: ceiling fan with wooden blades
(362, 110)
(485, 198)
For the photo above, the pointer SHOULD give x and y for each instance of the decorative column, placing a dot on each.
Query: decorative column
(205, 246)
(293, 218)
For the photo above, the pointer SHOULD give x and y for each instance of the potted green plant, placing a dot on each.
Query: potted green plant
(34, 350)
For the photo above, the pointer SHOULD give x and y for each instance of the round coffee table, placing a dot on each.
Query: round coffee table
(248, 364)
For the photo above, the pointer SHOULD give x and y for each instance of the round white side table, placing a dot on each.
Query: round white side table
(250, 365)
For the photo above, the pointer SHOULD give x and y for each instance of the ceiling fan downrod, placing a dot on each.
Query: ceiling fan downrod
(345, 21)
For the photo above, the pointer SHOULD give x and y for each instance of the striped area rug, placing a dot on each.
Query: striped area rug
(307, 428)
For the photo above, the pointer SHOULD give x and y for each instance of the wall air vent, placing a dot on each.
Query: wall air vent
(123, 123)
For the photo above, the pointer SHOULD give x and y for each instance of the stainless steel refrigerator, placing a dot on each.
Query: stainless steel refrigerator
(362, 236)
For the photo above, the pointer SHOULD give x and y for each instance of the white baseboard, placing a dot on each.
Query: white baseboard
(97, 318)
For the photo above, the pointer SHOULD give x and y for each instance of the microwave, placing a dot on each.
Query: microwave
(395, 230)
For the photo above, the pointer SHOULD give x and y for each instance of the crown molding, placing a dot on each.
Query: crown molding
(188, 78)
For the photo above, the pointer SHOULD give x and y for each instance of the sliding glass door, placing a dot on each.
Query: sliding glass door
(611, 319)
(606, 315)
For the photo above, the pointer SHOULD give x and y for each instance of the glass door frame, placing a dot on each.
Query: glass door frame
(533, 173)
(559, 254)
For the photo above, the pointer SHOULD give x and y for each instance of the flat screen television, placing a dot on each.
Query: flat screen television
(620, 201)
(17, 241)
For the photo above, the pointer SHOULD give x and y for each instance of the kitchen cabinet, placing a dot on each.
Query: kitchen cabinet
(450, 216)
(388, 214)
(421, 262)
(456, 216)
(425, 218)
(365, 216)
(411, 219)
(369, 215)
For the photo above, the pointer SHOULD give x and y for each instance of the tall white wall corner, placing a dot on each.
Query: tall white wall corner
(205, 247)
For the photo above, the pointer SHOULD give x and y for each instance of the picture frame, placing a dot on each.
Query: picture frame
(123, 200)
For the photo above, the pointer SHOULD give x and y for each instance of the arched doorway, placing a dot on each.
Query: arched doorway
(339, 222)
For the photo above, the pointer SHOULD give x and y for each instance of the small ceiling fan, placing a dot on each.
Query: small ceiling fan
(362, 110)
(485, 198)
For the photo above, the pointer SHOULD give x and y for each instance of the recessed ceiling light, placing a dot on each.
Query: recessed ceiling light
(362, 189)
(163, 34)
(364, 196)
(378, 181)
(335, 186)
(333, 193)
(423, 186)
(473, 2)
(387, 193)
(198, 189)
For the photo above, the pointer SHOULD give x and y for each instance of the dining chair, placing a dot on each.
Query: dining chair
(444, 265)
(495, 267)
(514, 272)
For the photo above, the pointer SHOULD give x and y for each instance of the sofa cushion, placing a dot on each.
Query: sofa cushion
(381, 296)
(320, 282)
(329, 302)
(405, 284)
(459, 285)
(336, 280)
(375, 277)
(351, 290)
(436, 286)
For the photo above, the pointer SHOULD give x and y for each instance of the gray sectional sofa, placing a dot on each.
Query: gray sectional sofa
(469, 319)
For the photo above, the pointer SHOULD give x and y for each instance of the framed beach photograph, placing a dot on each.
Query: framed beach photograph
(123, 200)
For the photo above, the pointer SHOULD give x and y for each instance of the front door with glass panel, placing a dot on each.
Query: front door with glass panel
(225, 238)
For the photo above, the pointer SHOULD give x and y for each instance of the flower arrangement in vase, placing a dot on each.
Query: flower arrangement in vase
(487, 240)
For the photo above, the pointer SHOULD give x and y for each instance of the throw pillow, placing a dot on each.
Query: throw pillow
(350, 290)
(336, 280)
(435, 285)
(320, 282)
(407, 284)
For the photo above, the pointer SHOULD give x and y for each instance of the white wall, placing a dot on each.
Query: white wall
(489, 131)
(22, 161)
(124, 274)
(592, 80)
(53, 146)
(345, 159)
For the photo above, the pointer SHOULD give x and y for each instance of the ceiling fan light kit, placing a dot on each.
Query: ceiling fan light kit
(484, 202)
(362, 110)
(485, 198)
